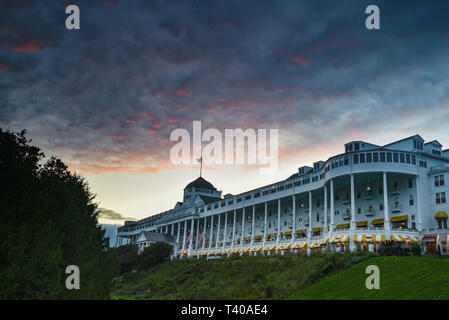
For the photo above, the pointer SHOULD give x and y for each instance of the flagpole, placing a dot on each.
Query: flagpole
(201, 166)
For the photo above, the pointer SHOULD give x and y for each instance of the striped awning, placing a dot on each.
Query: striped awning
(345, 238)
(393, 238)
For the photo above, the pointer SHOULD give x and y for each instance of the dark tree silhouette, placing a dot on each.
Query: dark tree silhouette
(48, 220)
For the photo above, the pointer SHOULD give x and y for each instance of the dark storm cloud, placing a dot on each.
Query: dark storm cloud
(107, 96)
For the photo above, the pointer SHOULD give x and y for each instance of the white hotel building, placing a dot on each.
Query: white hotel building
(362, 199)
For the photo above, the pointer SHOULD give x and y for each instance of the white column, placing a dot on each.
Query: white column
(418, 204)
(197, 233)
(178, 232)
(242, 236)
(203, 244)
(218, 230)
(351, 232)
(225, 235)
(294, 218)
(185, 235)
(325, 210)
(211, 231)
(265, 224)
(310, 223)
(278, 238)
(172, 229)
(253, 225)
(332, 206)
(386, 207)
(233, 229)
(192, 225)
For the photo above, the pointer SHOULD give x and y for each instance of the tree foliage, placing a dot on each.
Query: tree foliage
(48, 220)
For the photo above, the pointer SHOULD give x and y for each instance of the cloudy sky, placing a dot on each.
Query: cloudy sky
(106, 97)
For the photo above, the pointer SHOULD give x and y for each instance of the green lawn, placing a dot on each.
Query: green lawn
(400, 278)
(261, 277)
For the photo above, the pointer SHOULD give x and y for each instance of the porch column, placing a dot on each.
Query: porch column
(172, 229)
(332, 206)
(225, 235)
(418, 204)
(325, 210)
(203, 244)
(253, 224)
(351, 232)
(386, 206)
(218, 231)
(184, 236)
(294, 218)
(242, 236)
(265, 224)
(211, 231)
(197, 233)
(192, 226)
(310, 223)
(233, 229)
(278, 238)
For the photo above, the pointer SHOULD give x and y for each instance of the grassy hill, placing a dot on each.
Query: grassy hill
(400, 278)
(288, 277)
(261, 277)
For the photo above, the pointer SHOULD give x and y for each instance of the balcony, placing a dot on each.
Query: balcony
(396, 209)
(346, 216)
(395, 193)
(369, 212)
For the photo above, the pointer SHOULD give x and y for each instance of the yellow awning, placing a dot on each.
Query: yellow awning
(342, 226)
(355, 238)
(326, 241)
(300, 231)
(373, 238)
(287, 233)
(345, 238)
(362, 224)
(399, 218)
(402, 238)
(377, 221)
(441, 215)
(317, 229)
(364, 238)
(382, 238)
(393, 238)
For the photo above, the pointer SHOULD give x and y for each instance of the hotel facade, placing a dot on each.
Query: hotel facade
(365, 198)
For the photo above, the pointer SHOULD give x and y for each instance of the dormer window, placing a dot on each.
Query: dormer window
(417, 145)
(356, 146)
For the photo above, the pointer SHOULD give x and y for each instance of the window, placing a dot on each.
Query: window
(381, 207)
(389, 158)
(441, 197)
(369, 157)
(362, 158)
(439, 180)
(407, 158)
(356, 158)
(375, 157)
(410, 182)
(395, 157)
(411, 201)
(382, 157)
(357, 146)
(396, 186)
(402, 158)
(359, 195)
(414, 160)
(423, 163)
(359, 210)
(318, 217)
